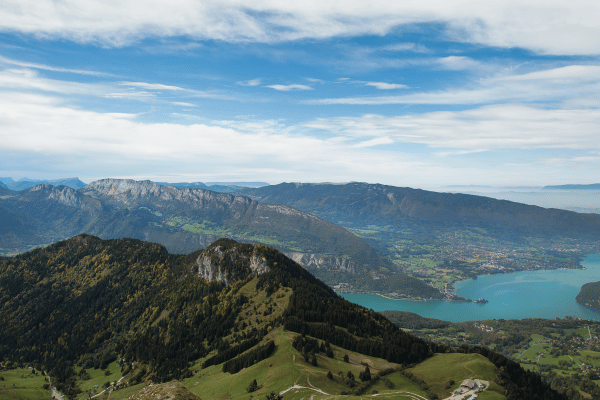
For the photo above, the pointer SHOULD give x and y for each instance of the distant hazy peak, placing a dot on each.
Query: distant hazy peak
(593, 186)
(128, 190)
(26, 183)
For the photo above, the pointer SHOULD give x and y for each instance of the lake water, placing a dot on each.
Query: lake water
(528, 294)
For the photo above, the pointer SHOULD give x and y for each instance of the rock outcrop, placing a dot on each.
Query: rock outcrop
(229, 264)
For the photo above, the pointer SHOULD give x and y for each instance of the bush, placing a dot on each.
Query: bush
(253, 387)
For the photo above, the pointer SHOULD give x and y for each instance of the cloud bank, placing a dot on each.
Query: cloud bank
(545, 27)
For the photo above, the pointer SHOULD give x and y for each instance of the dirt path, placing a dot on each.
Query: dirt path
(413, 396)
(55, 393)
(303, 387)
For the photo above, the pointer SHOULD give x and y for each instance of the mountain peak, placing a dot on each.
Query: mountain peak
(128, 191)
(228, 261)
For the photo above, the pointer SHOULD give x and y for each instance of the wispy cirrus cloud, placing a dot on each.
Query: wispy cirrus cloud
(30, 79)
(154, 86)
(109, 143)
(401, 47)
(386, 86)
(549, 27)
(484, 128)
(183, 104)
(458, 63)
(553, 85)
(10, 61)
(251, 82)
(287, 88)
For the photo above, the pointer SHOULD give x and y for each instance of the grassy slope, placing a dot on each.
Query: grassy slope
(286, 367)
(21, 384)
(98, 377)
(441, 368)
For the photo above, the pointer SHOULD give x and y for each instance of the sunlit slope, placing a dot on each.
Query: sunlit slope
(216, 319)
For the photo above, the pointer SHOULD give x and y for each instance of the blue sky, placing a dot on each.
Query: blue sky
(425, 95)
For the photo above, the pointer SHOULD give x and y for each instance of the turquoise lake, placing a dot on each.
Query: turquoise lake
(529, 294)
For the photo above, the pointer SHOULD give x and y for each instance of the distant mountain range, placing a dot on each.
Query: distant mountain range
(26, 183)
(593, 186)
(185, 220)
(360, 204)
(306, 221)
(223, 187)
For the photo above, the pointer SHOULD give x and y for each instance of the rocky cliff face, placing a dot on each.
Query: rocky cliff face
(64, 195)
(128, 192)
(229, 264)
(318, 261)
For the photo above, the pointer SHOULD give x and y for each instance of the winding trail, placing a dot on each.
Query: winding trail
(55, 393)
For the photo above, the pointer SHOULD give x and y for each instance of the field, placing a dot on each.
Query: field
(444, 372)
(23, 384)
(566, 352)
(287, 372)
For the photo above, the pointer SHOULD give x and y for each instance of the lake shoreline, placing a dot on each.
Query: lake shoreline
(526, 294)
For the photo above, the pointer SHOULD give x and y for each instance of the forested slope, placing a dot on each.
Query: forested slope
(590, 295)
(185, 220)
(88, 302)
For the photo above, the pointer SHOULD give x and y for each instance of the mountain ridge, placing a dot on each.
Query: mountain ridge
(130, 302)
(186, 219)
(358, 202)
(25, 183)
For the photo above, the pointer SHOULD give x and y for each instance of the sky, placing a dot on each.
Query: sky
(421, 94)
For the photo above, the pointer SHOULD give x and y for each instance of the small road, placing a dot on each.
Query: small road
(55, 393)
(412, 396)
(535, 344)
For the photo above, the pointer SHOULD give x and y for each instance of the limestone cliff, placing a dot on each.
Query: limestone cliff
(228, 264)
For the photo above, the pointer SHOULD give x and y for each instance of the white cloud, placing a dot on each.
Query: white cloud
(286, 88)
(153, 86)
(10, 61)
(548, 27)
(183, 104)
(490, 127)
(558, 84)
(417, 48)
(457, 63)
(386, 86)
(105, 144)
(251, 82)
(39, 130)
(26, 79)
(374, 142)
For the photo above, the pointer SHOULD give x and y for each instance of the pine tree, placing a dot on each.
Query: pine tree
(252, 387)
(365, 375)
